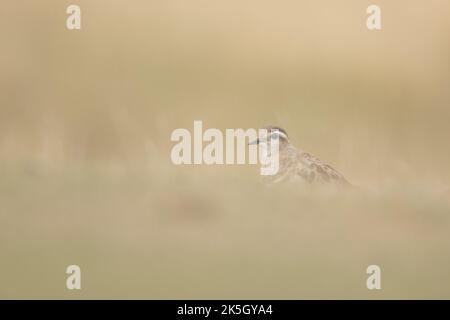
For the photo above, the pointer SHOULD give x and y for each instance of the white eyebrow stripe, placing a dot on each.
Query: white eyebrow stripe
(265, 134)
(281, 134)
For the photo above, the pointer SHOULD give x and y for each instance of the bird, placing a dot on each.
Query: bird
(295, 164)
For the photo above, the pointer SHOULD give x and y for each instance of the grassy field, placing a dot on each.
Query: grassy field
(142, 235)
(86, 176)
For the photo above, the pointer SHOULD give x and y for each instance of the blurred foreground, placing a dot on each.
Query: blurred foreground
(138, 235)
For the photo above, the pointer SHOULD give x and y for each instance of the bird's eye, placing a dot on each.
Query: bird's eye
(275, 135)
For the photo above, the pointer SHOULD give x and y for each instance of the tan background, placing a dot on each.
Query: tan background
(86, 177)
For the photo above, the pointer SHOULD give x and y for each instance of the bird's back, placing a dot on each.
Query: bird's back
(296, 164)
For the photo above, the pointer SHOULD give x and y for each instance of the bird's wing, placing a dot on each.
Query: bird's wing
(313, 169)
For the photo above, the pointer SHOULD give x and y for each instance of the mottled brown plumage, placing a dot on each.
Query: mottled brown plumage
(296, 164)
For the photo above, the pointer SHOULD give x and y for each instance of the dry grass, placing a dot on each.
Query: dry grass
(85, 121)
(146, 236)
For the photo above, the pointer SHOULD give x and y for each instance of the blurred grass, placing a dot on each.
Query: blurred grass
(141, 236)
(85, 121)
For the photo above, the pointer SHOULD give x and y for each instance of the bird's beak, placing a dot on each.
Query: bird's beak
(254, 142)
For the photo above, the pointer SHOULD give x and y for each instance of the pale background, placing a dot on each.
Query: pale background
(85, 170)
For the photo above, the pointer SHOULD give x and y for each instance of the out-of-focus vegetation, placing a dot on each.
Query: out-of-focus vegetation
(86, 177)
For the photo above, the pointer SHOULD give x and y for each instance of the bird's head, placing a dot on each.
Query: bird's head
(273, 133)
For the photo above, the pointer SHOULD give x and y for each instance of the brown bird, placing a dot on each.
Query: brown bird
(296, 164)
